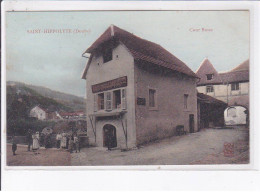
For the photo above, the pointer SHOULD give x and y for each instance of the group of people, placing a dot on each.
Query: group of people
(64, 140)
(69, 142)
(32, 140)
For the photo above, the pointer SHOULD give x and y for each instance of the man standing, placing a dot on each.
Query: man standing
(29, 139)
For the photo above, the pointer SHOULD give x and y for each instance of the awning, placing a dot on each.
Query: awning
(108, 114)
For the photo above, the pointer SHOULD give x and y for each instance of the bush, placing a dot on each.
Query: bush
(20, 126)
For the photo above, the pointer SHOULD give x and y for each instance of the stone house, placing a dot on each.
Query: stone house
(229, 87)
(136, 91)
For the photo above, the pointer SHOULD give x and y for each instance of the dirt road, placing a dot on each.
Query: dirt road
(205, 147)
(47, 157)
(193, 148)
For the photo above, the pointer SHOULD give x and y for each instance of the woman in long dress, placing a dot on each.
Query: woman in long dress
(63, 140)
(36, 145)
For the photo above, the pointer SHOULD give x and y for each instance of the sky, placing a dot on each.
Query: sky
(54, 60)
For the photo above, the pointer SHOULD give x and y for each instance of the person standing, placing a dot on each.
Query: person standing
(14, 145)
(36, 145)
(67, 141)
(76, 143)
(58, 139)
(71, 142)
(63, 140)
(29, 139)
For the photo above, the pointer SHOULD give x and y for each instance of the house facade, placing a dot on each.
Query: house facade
(136, 91)
(39, 113)
(231, 87)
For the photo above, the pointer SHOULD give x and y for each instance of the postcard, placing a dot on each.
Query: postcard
(113, 88)
(163, 86)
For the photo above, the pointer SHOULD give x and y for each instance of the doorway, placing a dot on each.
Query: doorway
(191, 123)
(109, 136)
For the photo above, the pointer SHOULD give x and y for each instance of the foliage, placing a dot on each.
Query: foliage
(20, 100)
(20, 126)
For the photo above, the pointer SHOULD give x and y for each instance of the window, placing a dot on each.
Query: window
(209, 76)
(117, 99)
(186, 101)
(107, 55)
(234, 86)
(108, 100)
(209, 89)
(152, 102)
(101, 101)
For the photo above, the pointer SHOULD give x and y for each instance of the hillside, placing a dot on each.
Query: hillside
(21, 98)
(68, 100)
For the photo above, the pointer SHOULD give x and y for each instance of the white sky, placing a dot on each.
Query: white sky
(55, 61)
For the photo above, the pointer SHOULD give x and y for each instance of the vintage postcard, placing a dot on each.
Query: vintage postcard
(127, 88)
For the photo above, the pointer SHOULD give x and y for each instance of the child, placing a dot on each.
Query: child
(14, 146)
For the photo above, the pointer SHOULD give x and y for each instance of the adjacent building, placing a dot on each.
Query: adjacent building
(210, 111)
(231, 87)
(136, 91)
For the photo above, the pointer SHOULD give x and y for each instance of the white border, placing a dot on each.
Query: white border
(10, 172)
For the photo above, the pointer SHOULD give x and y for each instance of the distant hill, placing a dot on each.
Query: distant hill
(65, 101)
(21, 98)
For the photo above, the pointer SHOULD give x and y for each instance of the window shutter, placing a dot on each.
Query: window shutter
(108, 101)
(123, 98)
(95, 103)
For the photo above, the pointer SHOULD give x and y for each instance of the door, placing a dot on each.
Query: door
(191, 123)
(109, 136)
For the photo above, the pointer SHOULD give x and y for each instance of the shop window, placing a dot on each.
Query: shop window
(209, 89)
(116, 99)
(107, 55)
(234, 86)
(110, 100)
(152, 98)
(209, 76)
(186, 101)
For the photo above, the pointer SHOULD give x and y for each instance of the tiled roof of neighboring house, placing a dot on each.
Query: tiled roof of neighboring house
(243, 66)
(238, 74)
(209, 99)
(235, 76)
(205, 68)
(71, 113)
(141, 49)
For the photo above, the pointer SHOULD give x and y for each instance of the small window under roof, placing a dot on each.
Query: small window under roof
(209, 76)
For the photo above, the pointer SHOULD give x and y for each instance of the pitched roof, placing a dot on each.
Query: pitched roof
(242, 67)
(141, 49)
(209, 99)
(238, 74)
(205, 68)
(235, 76)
